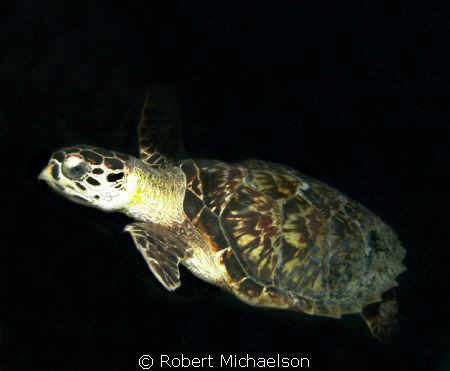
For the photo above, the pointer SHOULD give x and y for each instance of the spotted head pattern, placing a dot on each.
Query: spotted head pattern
(89, 175)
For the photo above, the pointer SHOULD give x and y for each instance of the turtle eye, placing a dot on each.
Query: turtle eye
(75, 170)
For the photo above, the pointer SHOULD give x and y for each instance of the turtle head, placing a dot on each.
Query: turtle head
(91, 176)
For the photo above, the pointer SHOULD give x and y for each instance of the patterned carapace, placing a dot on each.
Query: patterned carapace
(288, 240)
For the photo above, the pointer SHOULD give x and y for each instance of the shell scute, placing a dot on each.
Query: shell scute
(192, 205)
(250, 223)
(209, 227)
(251, 289)
(220, 181)
(232, 265)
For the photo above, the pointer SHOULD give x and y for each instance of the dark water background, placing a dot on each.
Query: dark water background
(355, 95)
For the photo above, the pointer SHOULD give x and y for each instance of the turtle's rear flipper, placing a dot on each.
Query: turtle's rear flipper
(381, 317)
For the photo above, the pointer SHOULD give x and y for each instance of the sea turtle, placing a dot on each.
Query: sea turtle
(269, 234)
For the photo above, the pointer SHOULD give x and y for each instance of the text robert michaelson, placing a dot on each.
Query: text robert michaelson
(233, 361)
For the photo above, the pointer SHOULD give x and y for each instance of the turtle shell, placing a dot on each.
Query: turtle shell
(287, 240)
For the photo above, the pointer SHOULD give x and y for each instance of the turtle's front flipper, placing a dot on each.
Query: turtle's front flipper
(381, 317)
(161, 250)
(158, 130)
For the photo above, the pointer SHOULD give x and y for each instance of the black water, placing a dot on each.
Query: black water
(354, 95)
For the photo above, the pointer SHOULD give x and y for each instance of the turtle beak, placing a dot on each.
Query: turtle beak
(45, 174)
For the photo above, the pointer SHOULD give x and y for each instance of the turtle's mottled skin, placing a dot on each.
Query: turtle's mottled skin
(267, 233)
